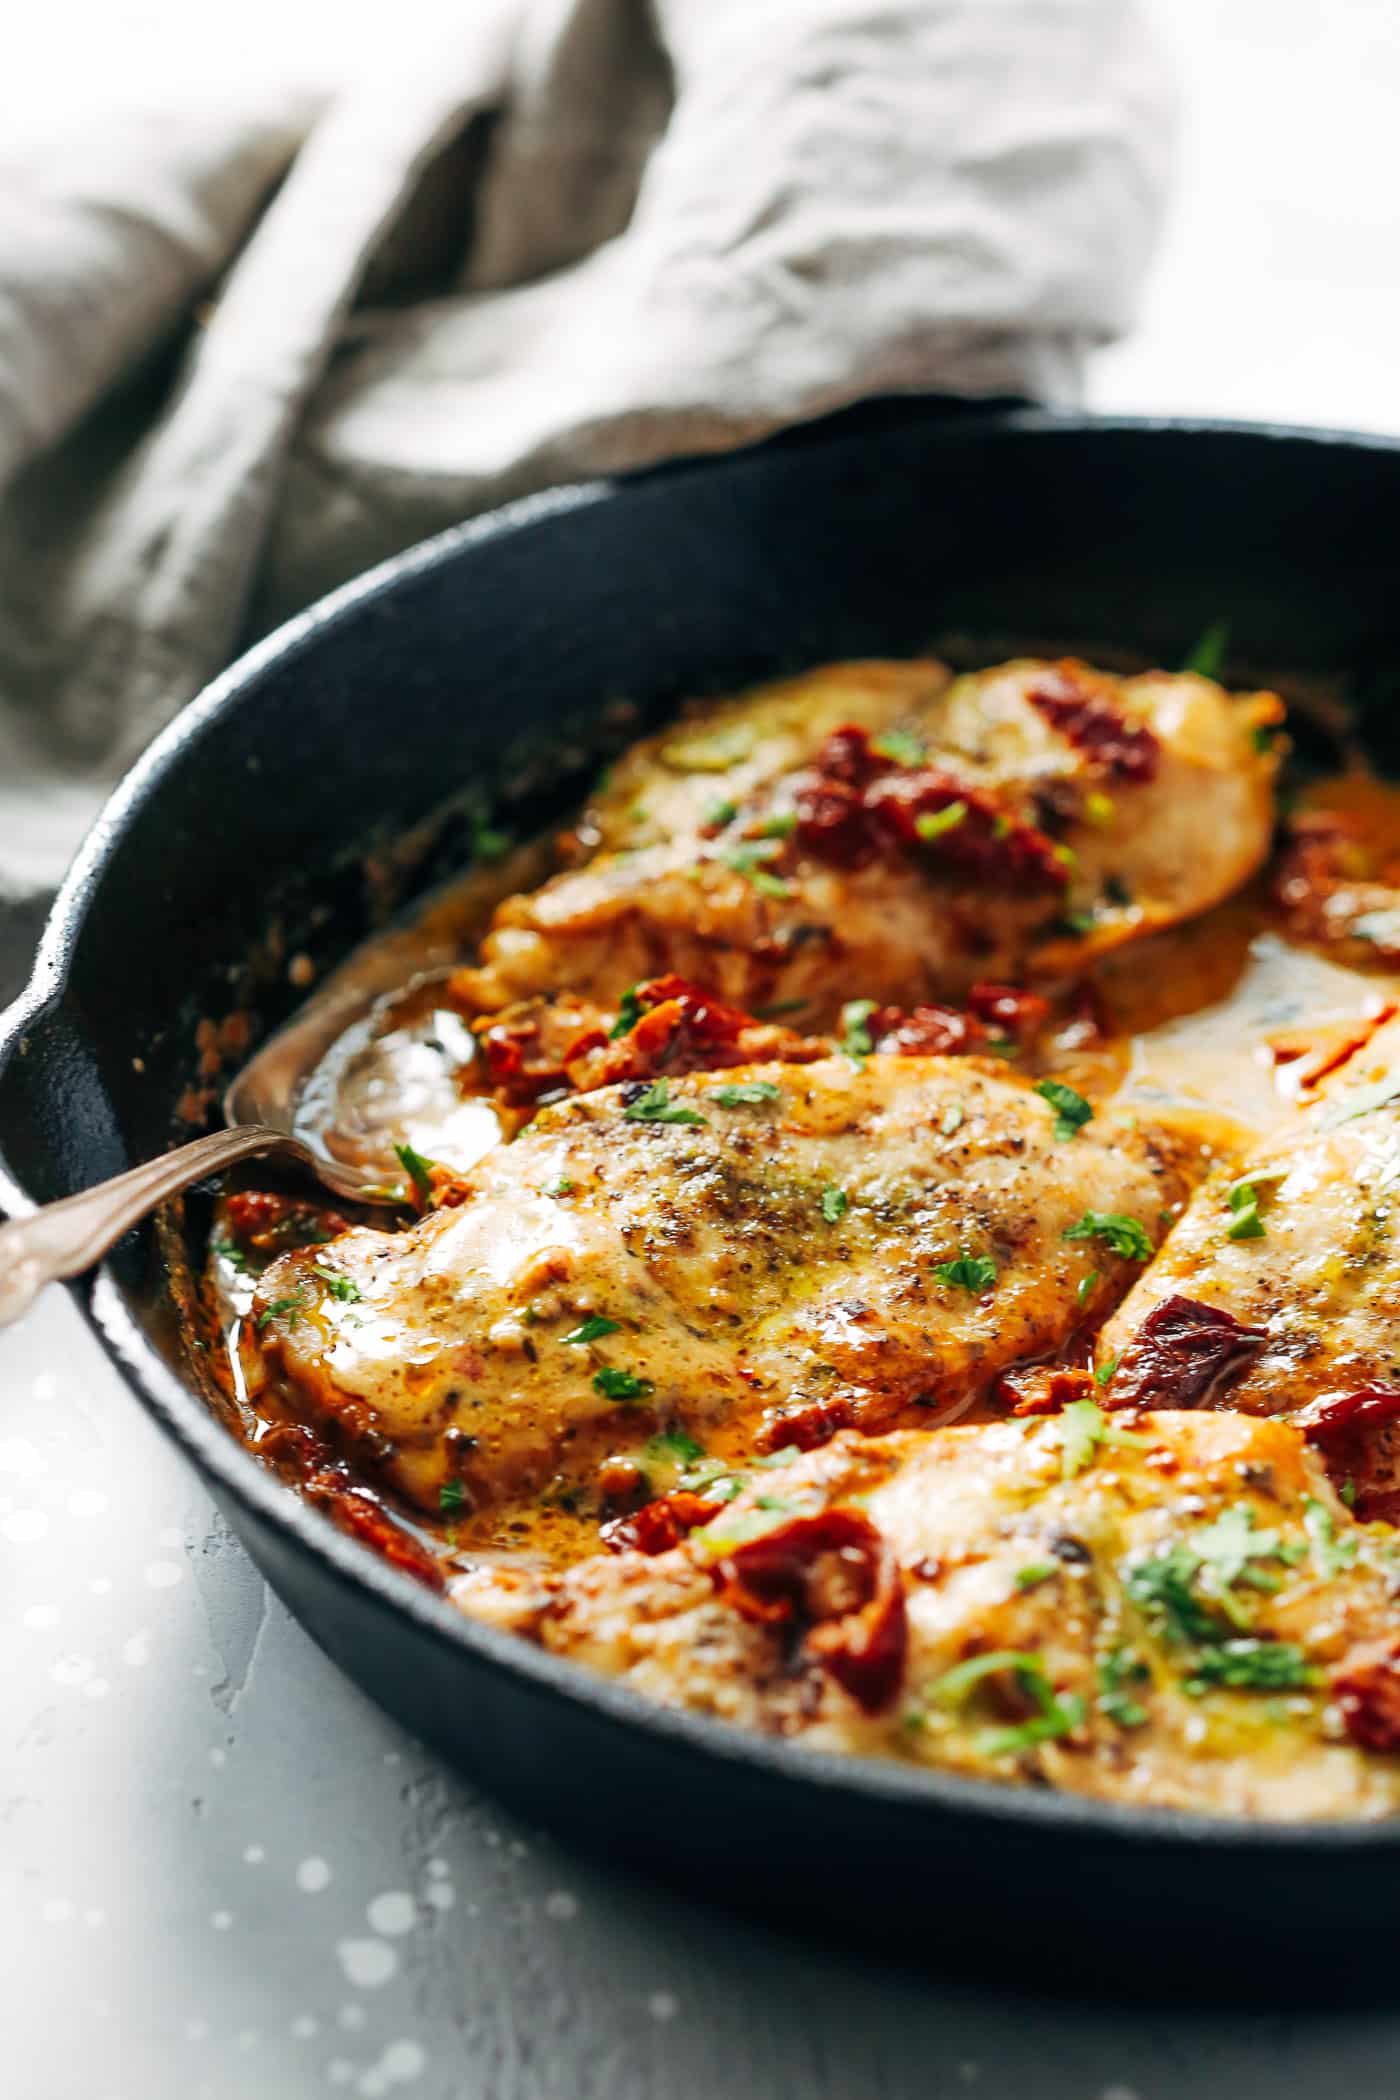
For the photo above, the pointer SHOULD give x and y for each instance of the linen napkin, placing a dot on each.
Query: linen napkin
(250, 344)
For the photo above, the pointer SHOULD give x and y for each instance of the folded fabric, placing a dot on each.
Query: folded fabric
(246, 350)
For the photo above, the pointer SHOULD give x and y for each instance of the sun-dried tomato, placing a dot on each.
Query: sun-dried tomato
(1365, 1687)
(359, 1513)
(683, 1028)
(1332, 1415)
(659, 1525)
(1088, 716)
(855, 805)
(804, 1428)
(267, 1223)
(520, 1066)
(1046, 1390)
(835, 1575)
(1184, 1353)
(1355, 1433)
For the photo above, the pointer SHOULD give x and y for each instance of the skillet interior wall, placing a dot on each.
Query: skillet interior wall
(871, 535)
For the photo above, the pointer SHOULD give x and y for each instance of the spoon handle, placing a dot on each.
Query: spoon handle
(62, 1239)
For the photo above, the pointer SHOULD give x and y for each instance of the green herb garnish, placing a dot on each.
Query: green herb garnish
(1072, 1111)
(1036, 1572)
(1330, 1554)
(1208, 656)
(721, 813)
(614, 1384)
(562, 1187)
(1104, 1372)
(856, 1039)
(592, 1330)
(901, 745)
(233, 1254)
(970, 1272)
(1059, 1713)
(629, 1012)
(934, 822)
(1251, 1666)
(654, 1106)
(452, 1496)
(1084, 1289)
(419, 1172)
(749, 1093)
(781, 825)
(1082, 1428)
(1245, 1221)
(835, 1204)
(952, 1119)
(1121, 1235)
(279, 1306)
(339, 1285)
(1119, 1668)
(747, 860)
(672, 1447)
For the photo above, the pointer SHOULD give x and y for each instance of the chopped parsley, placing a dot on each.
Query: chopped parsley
(1330, 1554)
(902, 745)
(970, 1272)
(291, 1307)
(856, 1039)
(934, 822)
(614, 1384)
(233, 1254)
(1077, 923)
(1035, 1572)
(672, 1448)
(781, 825)
(1059, 1712)
(721, 813)
(1119, 1668)
(592, 1330)
(339, 1286)
(419, 1172)
(1347, 1491)
(952, 1119)
(1082, 1428)
(1099, 809)
(452, 1496)
(1245, 1221)
(1208, 656)
(1161, 1586)
(1085, 1288)
(747, 860)
(561, 1187)
(1119, 1234)
(1251, 1666)
(1104, 1372)
(1072, 1111)
(490, 843)
(629, 1012)
(749, 1093)
(654, 1105)
(835, 1203)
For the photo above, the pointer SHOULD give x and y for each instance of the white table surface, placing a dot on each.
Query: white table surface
(222, 1872)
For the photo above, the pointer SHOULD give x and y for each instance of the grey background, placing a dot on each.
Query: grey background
(222, 1872)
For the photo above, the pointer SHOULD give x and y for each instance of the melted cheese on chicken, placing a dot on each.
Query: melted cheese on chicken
(1181, 1613)
(875, 1240)
(1148, 799)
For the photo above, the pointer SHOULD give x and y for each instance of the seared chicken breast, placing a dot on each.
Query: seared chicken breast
(767, 1253)
(883, 831)
(1168, 1608)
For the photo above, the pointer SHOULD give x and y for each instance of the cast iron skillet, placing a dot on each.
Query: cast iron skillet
(870, 534)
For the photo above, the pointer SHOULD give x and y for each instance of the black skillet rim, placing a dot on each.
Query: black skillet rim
(178, 1410)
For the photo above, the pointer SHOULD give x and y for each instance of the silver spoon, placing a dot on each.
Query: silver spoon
(57, 1241)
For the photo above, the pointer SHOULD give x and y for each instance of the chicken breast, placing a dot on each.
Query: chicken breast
(1177, 1612)
(764, 1254)
(1290, 1261)
(877, 830)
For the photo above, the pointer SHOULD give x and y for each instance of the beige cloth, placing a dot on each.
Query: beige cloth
(245, 351)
